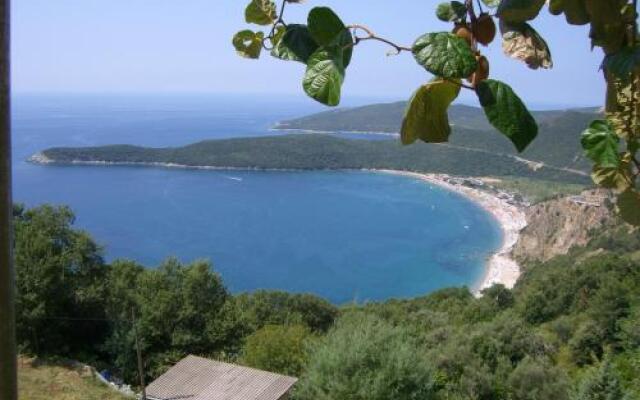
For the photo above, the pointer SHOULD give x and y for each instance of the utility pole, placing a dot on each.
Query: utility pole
(139, 352)
(8, 354)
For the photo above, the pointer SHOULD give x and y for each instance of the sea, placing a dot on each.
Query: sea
(348, 236)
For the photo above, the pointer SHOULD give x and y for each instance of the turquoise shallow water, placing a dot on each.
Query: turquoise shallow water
(343, 235)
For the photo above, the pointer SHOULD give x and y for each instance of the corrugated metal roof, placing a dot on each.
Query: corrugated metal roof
(197, 378)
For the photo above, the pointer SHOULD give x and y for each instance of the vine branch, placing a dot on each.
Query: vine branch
(461, 84)
(372, 36)
(635, 24)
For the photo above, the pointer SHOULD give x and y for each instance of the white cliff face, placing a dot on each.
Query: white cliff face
(39, 158)
(557, 225)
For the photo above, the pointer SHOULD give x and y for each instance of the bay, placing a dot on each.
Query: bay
(344, 235)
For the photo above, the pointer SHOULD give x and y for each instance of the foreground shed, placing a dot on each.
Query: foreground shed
(197, 378)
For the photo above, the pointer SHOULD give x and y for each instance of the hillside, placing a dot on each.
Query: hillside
(317, 152)
(45, 381)
(569, 327)
(471, 129)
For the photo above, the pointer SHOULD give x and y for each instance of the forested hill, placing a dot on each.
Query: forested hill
(558, 143)
(318, 152)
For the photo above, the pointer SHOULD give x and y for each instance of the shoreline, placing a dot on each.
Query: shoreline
(500, 267)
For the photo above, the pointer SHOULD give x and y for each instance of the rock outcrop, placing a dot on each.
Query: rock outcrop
(555, 226)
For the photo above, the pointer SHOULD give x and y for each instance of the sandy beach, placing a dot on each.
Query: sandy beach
(501, 267)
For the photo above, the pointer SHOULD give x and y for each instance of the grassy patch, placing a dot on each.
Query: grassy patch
(535, 190)
(47, 381)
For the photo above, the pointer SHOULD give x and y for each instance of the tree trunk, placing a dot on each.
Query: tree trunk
(8, 362)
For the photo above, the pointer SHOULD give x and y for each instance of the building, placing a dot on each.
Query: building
(196, 378)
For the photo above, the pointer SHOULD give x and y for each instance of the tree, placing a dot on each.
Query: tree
(178, 309)
(601, 383)
(278, 348)
(325, 45)
(535, 379)
(60, 281)
(365, 358)
(263, 307)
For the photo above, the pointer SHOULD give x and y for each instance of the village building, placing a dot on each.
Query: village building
(197, 378)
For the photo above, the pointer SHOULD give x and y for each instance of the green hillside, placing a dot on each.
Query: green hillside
(471, 129)
(570, 328)
(320, 152)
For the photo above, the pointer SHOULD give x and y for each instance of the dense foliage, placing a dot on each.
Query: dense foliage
(570, 328)
(326, 45)
(71, 303)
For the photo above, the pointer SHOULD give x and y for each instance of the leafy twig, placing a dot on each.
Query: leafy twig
(461, 84)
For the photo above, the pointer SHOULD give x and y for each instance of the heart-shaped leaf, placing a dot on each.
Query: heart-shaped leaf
(451, 11)
(261, 12)
(426, 115)
(575, 11)
(516, 11)
(296, 44)
(522, 42)
(345, 43)
(325, 26)
(601, 143)
(445, 55)
(629, 207)
(507, 113)
(325, 75)
(328, 30)
(248, 43)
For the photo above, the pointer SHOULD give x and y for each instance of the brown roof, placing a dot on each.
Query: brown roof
(196, 378)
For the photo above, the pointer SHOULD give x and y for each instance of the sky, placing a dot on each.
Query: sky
(184, 46)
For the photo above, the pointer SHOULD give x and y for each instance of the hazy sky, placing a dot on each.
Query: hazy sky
(184, 46)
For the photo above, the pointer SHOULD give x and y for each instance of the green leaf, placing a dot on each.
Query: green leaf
(491, 3)
(261, 12)
(445, 55)
(328, 30)
(248, 43)
(516, 11)
(575, 11)
(601, 143)
(608, 29)
(325, 75)
(345, 42)
(426, 115)
(556, 7)
(325, 26)
(296, 44)
(522, 42)
(629, 207)
(277, 35)
(507, 113)
(623, 63)
(451, 11)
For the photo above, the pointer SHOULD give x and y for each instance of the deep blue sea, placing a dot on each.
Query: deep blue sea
(346, 236)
